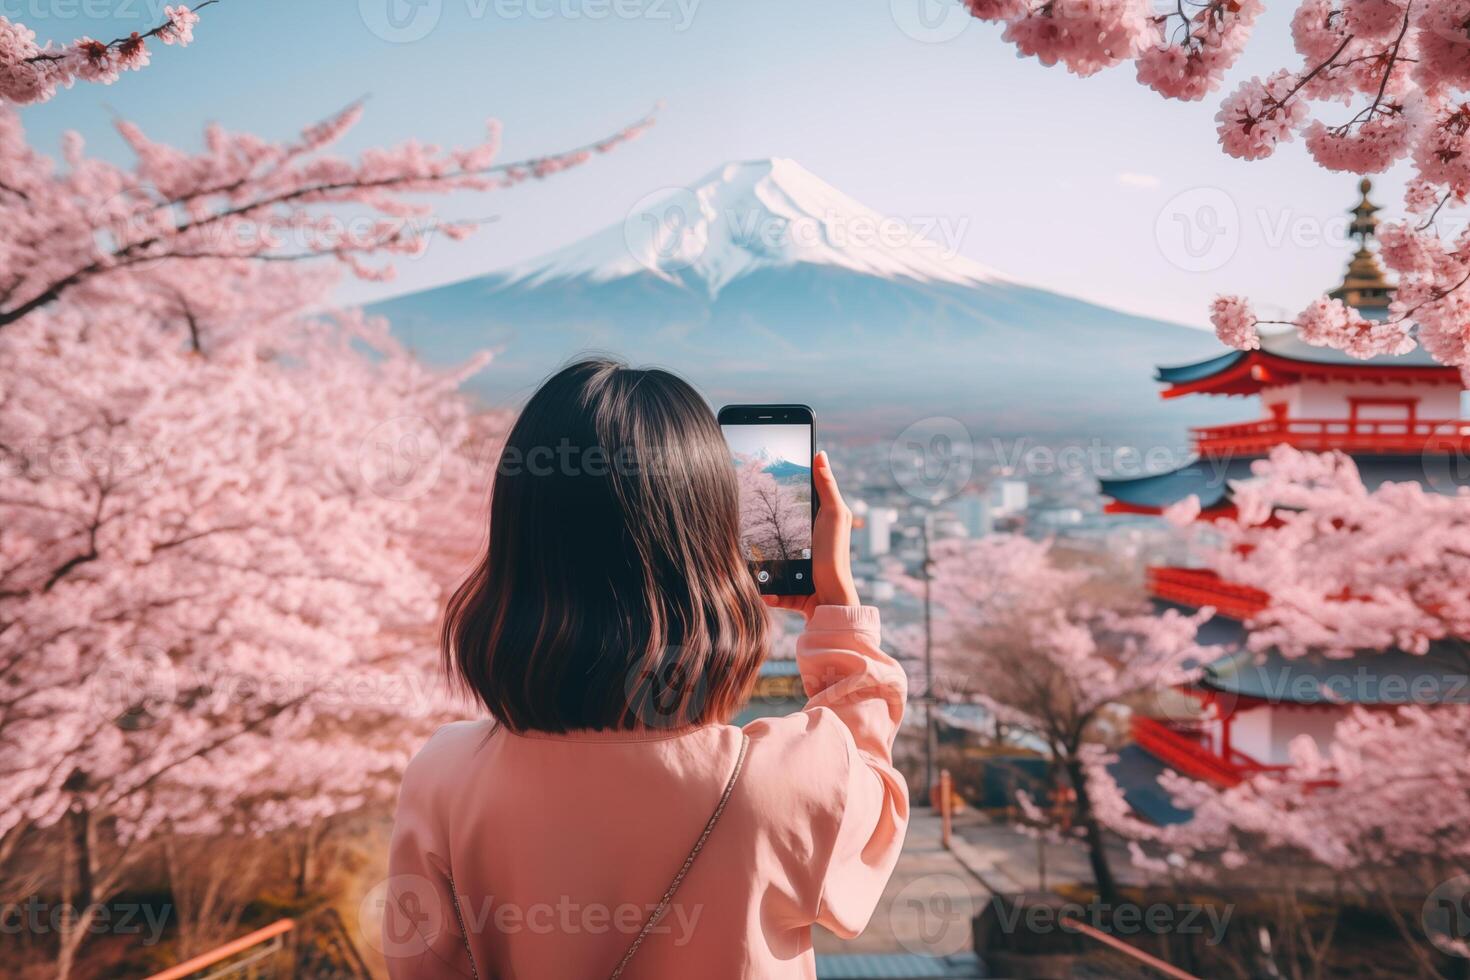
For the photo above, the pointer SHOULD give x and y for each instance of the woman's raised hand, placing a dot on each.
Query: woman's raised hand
(831, 549)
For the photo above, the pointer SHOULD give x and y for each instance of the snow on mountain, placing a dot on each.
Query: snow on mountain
(761, 282)
(749, 216)
(784, 470)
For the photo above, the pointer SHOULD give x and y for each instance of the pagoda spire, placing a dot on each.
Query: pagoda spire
(1364, 287)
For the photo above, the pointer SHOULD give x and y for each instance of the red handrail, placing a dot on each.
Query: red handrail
(1387, 435)
(1128, 949)
(278, 928)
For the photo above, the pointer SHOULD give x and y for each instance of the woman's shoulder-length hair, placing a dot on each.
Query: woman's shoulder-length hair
(612, 593)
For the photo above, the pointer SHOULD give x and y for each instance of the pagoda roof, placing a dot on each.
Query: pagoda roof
(1137, 773)
(1209, 479)
(1382, 678)
(1284, 358)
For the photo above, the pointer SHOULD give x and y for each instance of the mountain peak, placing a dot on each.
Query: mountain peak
(749, 215)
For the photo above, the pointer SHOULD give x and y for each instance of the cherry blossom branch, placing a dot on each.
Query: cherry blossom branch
(163, 215)
(1405, 67)
(31, 74)
(161, 31)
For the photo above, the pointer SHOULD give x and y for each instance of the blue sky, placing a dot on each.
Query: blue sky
(1085, 186)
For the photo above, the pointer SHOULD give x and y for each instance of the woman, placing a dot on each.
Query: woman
(611, 630)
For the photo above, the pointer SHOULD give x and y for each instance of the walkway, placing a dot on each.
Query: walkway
(922, 925)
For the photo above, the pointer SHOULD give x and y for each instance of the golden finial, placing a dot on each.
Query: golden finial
(1364, 223)
(1364, 286)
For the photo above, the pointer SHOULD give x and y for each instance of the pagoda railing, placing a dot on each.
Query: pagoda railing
(1351, 435)
(1201, 587)
(1185, 753)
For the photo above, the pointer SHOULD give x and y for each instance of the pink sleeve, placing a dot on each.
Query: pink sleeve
(846, 673)
(421, 934)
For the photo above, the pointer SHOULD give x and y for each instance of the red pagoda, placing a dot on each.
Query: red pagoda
(1400, 419)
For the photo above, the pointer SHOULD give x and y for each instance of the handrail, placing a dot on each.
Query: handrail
(1190, 758)
(278, 928)
(1128, 949)
(1335, 433)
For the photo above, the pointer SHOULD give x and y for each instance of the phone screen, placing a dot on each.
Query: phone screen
(771, 447)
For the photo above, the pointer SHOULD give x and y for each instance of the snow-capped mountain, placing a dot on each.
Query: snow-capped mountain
(761, 282)
(785, 471)
(748, 217)
(775, 464)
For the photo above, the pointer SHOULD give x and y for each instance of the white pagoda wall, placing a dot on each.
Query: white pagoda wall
(1329, 399)
(1265, 733)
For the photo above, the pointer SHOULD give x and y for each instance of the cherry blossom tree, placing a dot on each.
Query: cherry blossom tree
(1054, 651)
(225, 519)
(1347, 568)
(775, 517)
(1349, 571)
(209, 593)
(236, 205)
(1402, 67)
(33, 73)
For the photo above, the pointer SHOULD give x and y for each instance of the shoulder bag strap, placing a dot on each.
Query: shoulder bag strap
(663, 905)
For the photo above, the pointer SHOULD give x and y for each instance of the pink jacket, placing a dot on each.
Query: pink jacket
(558, 846)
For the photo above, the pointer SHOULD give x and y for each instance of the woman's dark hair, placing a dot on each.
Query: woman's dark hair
(613, 593)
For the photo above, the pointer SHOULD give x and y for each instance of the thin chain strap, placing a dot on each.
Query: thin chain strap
(463, 932)
(663, 905)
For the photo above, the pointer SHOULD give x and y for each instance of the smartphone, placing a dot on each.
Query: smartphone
(772, 447)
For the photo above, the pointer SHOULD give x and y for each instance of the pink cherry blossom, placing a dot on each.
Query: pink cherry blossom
(1260, 114)
(1394, 78)
(1086, 36)
(1002, 10)
(228, 511)
(1189, 59)
(1331, 323)
(1183, 513)
(180, 27)
(1369, 148)
(32, 74)
(1373, 20)
(1053, 652)
(1442, 45)
(1317, 30)
(1349, 570)
(1234, 322)
(239, 200)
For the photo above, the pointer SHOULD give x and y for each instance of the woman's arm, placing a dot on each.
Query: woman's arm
(849, 679)
(856, 698)
(421, 935)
